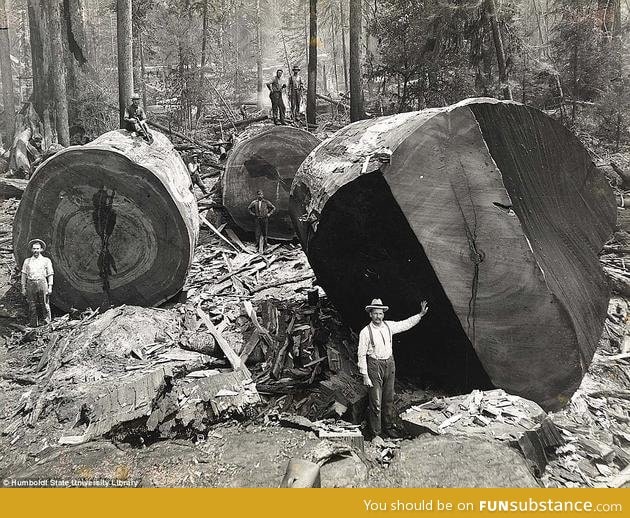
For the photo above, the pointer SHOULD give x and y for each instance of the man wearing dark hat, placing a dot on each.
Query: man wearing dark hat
(376, 363)
(135, 119)
(275, 86)
(37, 283)
(296, 88)
(261, 209)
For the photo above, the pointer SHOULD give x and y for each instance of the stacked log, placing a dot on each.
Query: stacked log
(268, 161)
(491, 211)
(119, 219)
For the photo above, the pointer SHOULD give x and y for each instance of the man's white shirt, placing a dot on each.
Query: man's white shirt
(382, 347)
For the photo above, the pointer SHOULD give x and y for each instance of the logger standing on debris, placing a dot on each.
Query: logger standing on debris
(261, 209)
(37, 283)
(376, 364)
(275, 86)
(296, 87)
(135, 119)
(193, 169)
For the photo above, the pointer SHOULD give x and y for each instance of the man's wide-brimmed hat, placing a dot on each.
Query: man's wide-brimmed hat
(135, 96)
(376, 304)
(33, 241)
(296, 68)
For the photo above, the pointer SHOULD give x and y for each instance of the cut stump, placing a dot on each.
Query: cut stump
(491, 211)
(119, 219)
(267, 162)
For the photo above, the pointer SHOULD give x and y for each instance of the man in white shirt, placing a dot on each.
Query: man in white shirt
(37, 283)
(376, 363)
(262, 209)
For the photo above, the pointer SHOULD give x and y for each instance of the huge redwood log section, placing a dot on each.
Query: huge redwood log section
(119, 219)
(490, 210)
(268, 161)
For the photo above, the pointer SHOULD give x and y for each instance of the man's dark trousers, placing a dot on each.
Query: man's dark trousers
(382, 374)
(277, 105)
(262, 225)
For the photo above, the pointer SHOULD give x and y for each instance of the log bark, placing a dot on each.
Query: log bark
(267, 161)
(119, 219)
(491, 211)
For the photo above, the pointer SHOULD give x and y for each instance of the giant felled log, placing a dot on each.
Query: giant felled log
(491, 211)
(119, 219)
(268, 161)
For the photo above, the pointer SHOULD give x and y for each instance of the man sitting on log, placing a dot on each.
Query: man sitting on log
(37, 283)
(275, 86)
(135, 119)
(376, 364)
(261, 209)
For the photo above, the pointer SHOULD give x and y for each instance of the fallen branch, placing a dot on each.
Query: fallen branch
(12, 187)
(332, 101)
(282, 282)
(159, 126)
(232, 357)
(216, 231)
(241, 123)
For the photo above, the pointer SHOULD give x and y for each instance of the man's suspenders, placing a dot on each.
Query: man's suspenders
(372, 336)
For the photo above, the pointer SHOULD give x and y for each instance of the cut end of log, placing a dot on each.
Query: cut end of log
(267, 162)
(491, 211)
(119, 219)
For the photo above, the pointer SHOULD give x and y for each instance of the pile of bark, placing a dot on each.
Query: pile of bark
(491, 415)
(127, 372)
(585, 444)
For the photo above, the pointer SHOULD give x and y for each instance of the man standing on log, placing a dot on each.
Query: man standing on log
(261, 209)
(37, 283)
(275, 86)
(376, 364)
(296, 88)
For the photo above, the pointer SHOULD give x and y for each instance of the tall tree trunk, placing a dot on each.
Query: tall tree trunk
(125, 55)
(498, 47)
(343, 46)
(8, 96)
(142, 68)
(311, 100)
(204, 57)
(259, 66)
(58, 73)
(237, 92)
(40, 62)
(356, 93)
(334, 47)
(204, 34)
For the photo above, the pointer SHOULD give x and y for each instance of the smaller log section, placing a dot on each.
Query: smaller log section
(267, 161)
(119, 219)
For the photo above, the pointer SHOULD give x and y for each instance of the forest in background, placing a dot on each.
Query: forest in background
(198, 61)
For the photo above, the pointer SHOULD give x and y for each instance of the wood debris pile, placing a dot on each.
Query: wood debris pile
(594, 425)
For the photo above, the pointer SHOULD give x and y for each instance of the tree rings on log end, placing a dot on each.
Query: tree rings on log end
(267, 162)
(119, 219)
(491, 211)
